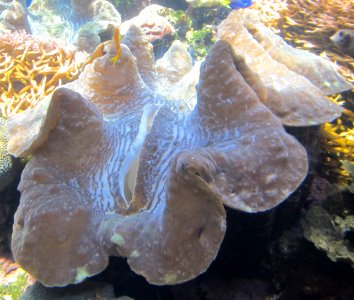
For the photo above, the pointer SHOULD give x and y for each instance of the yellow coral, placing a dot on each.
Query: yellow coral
(30, 69)
(337, 141)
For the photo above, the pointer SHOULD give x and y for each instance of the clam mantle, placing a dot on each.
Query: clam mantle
(118, 171)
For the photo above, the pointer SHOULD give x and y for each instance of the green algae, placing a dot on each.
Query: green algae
(329, 232)
(15, 289)
(201, 41)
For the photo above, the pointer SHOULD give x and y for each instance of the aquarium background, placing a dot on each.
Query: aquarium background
(300, 249)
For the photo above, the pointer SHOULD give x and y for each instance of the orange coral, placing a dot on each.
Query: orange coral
(30, 69)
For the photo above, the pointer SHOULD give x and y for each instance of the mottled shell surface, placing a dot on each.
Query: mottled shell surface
(289, 95)
(120, 171)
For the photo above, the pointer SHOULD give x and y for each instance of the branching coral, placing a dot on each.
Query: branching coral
(338, 144)
(30, 69)
(271, 11)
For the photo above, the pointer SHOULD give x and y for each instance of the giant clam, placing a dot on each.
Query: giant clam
(118, 170)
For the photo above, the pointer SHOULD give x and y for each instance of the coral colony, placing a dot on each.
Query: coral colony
(30, 69)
